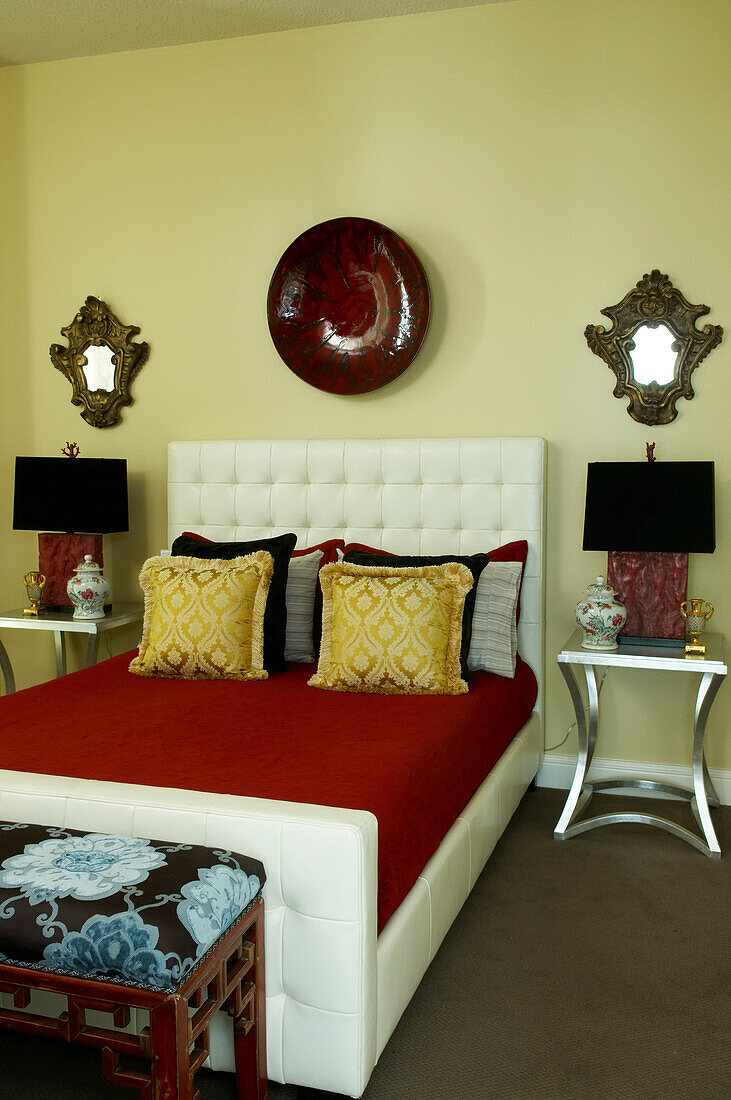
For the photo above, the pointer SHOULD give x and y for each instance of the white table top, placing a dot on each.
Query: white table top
(672, 658)
(120, 615)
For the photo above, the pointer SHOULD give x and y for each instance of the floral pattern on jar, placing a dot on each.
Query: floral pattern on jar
(88, 590)
(601, 616)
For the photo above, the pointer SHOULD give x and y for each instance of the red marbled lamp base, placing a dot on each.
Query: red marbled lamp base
(58, 556)
(652, 587)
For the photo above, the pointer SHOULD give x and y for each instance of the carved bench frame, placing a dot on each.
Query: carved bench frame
(176, 1042)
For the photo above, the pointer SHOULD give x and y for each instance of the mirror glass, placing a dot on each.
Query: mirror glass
(99, 369)
(653, 357)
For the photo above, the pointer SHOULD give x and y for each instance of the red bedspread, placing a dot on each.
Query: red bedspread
(413, 761)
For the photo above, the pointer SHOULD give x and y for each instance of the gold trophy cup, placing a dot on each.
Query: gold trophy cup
(33, 582)
(696, 614)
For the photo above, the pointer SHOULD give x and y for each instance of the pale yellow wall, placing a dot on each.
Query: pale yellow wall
(14, 344)
(539, 156)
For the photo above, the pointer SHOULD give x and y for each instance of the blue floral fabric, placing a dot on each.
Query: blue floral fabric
(214, 901)
(122, 908)
(120, 947)
(85, 867)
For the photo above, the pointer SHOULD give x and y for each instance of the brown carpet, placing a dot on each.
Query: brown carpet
(593, 969)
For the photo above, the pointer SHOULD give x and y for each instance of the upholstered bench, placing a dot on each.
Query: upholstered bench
(115, 923)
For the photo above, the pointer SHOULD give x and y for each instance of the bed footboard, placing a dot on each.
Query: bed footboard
(335, 991)
(320, 897)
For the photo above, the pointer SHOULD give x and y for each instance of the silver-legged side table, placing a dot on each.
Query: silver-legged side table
(712, 669)
(62, 623)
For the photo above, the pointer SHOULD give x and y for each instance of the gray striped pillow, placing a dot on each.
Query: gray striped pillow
(301, 587)
(494, 642)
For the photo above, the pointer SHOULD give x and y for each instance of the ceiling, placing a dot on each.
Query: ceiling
(51, 30)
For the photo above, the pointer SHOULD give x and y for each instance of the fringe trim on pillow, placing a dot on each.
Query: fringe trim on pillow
(460, 687)
(455, 685)
(262, 560)
(265, 562)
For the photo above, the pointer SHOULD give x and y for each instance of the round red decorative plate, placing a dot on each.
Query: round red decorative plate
(348, 306)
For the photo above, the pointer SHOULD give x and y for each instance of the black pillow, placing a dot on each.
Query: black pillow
(275, 614)
(474, 562)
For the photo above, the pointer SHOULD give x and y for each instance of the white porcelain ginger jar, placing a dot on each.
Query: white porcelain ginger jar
(601, 616)
(88, 590)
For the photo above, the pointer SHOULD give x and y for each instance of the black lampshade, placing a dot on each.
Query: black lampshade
(650, 507)
(71, 494)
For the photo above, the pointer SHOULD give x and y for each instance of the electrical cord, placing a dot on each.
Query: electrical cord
(569, 731)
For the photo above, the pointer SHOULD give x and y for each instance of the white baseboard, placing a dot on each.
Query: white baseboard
(558, 771)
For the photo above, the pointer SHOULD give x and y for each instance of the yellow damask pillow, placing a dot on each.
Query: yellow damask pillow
(392, 631)
(204, 619)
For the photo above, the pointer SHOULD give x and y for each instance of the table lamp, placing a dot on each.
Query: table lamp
(69, 495)
(649, 516)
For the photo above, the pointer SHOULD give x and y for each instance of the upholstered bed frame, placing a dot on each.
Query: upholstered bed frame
(336, 990)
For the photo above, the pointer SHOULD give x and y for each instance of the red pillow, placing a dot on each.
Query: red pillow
(329, 550)
(195, 535)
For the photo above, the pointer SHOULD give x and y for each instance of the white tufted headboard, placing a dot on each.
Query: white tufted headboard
(430, 496)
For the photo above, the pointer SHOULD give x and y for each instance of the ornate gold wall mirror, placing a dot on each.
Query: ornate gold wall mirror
(653, 347)
(100, 362)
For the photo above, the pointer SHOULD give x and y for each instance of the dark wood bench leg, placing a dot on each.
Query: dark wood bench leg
(169, 1046)
(249, 1028)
